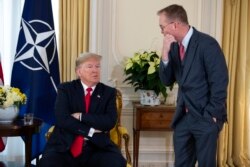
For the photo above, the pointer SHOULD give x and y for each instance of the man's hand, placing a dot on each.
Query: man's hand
(97, 131)
(167, 41)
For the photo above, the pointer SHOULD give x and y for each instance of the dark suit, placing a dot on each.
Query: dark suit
(202, 78)
(102, 115)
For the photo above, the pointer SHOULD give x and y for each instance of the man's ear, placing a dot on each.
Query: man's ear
(77, 72)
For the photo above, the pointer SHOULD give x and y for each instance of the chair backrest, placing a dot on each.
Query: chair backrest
(118, 105)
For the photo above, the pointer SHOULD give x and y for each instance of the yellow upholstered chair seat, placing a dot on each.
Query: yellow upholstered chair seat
(117, 133)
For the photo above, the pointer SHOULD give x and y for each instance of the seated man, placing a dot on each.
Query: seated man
(85, 112)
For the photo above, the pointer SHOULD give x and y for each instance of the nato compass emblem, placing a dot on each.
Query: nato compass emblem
(36, 40)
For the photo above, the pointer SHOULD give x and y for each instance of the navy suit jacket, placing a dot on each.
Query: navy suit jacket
(202, 78)
(102, 115)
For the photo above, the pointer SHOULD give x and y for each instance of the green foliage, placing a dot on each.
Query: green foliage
(142, 72)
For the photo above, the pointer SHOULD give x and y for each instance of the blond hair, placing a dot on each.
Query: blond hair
(83, 57)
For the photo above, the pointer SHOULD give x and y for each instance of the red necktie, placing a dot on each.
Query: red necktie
(182, 54)
(182, 51)
(2, 145)
(87, 99)
(77, 145)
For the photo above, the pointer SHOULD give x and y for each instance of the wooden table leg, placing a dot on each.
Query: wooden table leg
(136, 136)
(28, 147)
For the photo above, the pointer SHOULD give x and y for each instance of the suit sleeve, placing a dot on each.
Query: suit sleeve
(63, 111)
(105, 116)
(217, 75)
(166, 72)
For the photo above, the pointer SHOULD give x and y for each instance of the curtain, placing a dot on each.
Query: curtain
(10, 19)
(233, 148)
(74, 34)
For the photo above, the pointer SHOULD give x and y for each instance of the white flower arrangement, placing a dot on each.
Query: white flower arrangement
(142, 72)
(10, 96)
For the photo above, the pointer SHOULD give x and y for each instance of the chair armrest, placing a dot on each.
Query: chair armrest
(124, 133)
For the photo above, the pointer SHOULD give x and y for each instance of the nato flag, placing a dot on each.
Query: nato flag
(35, 69)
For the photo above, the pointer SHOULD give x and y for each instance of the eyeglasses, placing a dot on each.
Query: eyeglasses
(163, 27)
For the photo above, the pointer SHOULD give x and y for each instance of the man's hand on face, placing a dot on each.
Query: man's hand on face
(167, 41)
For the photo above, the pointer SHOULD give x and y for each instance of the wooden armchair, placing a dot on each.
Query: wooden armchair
(117, 133)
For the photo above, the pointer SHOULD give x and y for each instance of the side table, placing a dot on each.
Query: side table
(149, 118)
(17, 128)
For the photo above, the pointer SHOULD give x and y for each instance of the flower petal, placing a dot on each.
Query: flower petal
(151, 68)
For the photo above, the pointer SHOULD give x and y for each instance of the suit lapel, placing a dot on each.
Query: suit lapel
(80, 97)
(190, 54)
(95, 98)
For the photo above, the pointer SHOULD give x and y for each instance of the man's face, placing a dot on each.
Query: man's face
(89, 71)
(166, 25)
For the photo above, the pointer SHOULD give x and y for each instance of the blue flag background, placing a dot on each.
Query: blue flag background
(35, 69)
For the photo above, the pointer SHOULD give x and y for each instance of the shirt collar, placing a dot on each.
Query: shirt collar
(187, 38)
(85, 87)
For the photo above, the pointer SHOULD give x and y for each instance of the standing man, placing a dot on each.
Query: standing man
(85, 113)
(195, 61)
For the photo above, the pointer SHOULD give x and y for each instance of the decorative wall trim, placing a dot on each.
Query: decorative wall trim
(114, 49)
